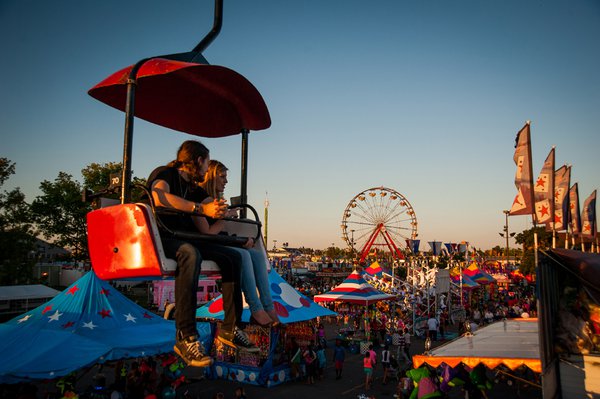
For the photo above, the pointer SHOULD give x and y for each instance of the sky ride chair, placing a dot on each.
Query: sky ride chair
(183, 92)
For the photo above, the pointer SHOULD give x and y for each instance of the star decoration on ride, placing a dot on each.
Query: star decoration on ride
(73, 290)
(129, 317)
(89, 325)
(55, 316)
(68, 324)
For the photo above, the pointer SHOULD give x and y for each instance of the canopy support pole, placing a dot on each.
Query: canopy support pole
(244, 173)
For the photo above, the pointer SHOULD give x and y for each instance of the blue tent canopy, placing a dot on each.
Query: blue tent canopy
(291, 306)
(87, 323)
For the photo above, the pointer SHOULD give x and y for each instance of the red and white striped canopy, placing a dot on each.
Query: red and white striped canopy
(354, 289)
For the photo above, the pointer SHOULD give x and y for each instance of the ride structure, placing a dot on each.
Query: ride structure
(379, 219)
(183, 92)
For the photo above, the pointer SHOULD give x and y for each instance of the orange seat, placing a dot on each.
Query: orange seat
(124, 243)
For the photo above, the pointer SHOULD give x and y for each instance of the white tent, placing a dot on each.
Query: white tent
(512, 343)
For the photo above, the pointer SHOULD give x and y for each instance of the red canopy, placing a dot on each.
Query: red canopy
(199, 99)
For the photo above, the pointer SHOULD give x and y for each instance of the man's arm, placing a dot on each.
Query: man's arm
(163, 197)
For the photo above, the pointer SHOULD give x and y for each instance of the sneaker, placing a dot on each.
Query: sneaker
(237, 339)
(192, 351)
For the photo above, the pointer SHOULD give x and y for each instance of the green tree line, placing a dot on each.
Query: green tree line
(57, 215)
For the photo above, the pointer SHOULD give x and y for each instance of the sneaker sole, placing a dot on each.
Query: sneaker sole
(237, 347)
(194, 363)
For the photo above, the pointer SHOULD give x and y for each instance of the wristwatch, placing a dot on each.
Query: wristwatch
(196, 208)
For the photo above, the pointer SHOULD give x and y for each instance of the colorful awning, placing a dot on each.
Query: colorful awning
(291, 306)
(354, 289)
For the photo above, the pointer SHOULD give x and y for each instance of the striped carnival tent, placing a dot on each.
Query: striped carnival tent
(374, 269)
(354, 289)
(467, 283)
(478, 275)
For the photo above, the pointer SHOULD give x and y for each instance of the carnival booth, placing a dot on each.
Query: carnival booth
(510, 348)
(270, 366)
(355, 290)
(487, 283)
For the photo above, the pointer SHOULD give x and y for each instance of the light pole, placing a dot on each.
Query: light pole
(507, 235)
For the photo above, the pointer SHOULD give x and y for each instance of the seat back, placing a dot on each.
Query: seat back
(124, 243)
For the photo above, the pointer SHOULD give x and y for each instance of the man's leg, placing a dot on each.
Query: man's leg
(229, 262)
(187, 344)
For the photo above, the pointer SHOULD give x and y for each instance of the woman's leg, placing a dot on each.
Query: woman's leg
(248, 281)
(261, 277)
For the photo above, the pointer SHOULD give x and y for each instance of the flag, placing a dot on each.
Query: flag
(543, 191)
(588, 216)
(523, 203)
(562, 181)
(413, 245)
(462, 247)
(436, 247)
(574, 217)
(452, 247)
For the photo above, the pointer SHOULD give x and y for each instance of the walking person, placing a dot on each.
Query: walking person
(368, 369)
(407, 344)
(385, 363)
(432, 325)
(401, 350)
(310, 360)
(373, 356)
(339, 355)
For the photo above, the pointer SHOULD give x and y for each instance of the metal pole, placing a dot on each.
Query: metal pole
(506, 234)
(244, 177)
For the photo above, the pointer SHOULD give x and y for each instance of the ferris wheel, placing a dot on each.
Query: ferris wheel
(379, 219)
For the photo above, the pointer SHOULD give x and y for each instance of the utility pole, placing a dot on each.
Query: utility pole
(266, 218)
(507, 235)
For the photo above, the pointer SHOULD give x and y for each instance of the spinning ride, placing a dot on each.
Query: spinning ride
(379, 219)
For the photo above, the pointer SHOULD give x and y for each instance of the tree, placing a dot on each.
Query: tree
(17, 235)
(526, 238)
(61, 214)
(96, 177)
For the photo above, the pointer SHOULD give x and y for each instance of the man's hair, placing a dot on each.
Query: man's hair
(187, 157)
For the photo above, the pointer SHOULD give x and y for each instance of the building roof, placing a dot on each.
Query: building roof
(33, 291)
(513, 344)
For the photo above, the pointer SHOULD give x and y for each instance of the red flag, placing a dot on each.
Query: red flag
(562, 181)
(588, 216)
(574, 218)
(543, 190)
(523, 203)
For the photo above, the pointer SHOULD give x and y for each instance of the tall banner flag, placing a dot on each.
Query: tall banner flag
(588, 216)
(574, 218)
(543, 191)
(436, 247)
(562, 181)
(524, 202)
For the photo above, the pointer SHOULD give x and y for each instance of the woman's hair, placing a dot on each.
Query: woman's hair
(187, 157)
(210, 180)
